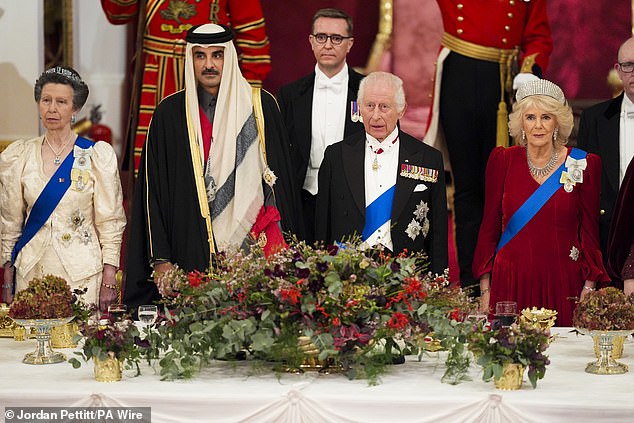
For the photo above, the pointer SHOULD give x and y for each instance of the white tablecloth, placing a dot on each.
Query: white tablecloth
(411, 392)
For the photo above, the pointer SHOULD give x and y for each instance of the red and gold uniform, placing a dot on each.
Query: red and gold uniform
(485, 43)
(166, 24)
(501, 24)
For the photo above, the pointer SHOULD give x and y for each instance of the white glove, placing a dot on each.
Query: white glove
(522, 78)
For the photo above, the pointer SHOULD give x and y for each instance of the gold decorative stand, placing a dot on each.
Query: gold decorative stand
(606, 364)
(43, 353)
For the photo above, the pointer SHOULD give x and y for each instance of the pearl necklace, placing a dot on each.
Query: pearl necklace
(540, 172)
(58, 155)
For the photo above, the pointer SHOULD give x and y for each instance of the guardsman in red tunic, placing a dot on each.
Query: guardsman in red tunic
(488, 48)
(166, 23)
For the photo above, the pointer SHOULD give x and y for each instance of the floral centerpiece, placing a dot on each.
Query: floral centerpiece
(497, 346)
(105, 337)
(48, 297)
(608, 316)
(45, 303)
(360, 308)
(605, 309)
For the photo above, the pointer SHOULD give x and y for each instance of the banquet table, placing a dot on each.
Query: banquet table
(411, 392)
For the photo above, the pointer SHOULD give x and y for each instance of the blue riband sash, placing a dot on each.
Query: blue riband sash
(49, 198)
(536, 201)
(378, 212)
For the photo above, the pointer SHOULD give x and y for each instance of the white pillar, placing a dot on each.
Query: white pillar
(21, 63)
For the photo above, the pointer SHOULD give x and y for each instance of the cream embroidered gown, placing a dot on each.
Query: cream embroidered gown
(83, 232)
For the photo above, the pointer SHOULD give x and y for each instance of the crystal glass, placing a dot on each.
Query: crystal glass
(147, 313)
(506, 312)
(117, 311)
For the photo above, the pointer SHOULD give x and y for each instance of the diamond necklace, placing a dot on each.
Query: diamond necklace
(540, 172)
(58, 159)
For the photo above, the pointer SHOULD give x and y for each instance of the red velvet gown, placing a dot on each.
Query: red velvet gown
(538, 267)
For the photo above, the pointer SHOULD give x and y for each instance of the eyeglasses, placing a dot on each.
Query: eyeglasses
(626, 67)
(335, 39)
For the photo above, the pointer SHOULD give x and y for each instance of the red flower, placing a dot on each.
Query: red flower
(195, 278)
(351, 303)
(322, 310)
(336, 321)
(413, 285)
(291, 295)
(455, 314)
(398, 298)
(398, 321)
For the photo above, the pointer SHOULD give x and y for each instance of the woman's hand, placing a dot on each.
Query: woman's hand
(588, 287)
(7, 283)
(485, 295)
(628, 286)
(485, 299)
(109, 291)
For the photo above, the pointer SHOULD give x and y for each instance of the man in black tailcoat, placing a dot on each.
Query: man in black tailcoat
(320, 108)
(383, 184)
(607, 129)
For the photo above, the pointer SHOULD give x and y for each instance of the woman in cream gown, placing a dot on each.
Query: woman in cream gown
(81, 239)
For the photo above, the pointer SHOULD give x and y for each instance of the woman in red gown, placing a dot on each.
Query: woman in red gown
(548, 256)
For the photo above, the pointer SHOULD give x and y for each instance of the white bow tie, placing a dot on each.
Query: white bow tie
(322, 83)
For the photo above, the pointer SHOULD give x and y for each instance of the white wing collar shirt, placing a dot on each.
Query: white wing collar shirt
(380, 172)
(328, 120)
(626, 136)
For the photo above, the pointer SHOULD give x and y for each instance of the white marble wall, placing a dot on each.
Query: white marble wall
(21, 62)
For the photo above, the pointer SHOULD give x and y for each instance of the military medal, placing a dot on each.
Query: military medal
(355, 114)
(419, 172)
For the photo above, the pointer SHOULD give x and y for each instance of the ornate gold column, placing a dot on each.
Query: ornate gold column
(58, 33)
(383, 37)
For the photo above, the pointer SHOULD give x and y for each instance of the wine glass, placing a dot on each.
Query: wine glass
(116, 311)
(506, 312)
(147, 314)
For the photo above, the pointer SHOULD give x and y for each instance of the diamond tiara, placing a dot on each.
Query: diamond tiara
(540, 87)
(65, 73)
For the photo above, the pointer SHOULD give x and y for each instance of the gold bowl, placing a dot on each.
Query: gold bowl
(6, 324)
(541, 318)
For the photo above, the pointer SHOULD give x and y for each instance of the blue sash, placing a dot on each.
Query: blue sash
(535, 202)
(378, 212)
(49, 198)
